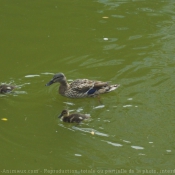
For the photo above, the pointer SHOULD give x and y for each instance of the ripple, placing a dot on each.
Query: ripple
(118, 16)
(90, 130)
(113, 144)
(100, 106)
(102, 21)
(47, 73)
(78, 155)
(19, 92)
(111, 4)
(69, 103)
(126, 141)
(120, 47)
(141, 154)
(146, 9)
(79, 109)
(122, 28)
(135, 37)
(31, 76)
(63, 126)
(107, 39)
(137, 147)
(110, 46)
(126, 106)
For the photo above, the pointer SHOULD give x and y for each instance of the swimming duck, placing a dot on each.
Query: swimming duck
(72, 118)
(6, 88)
(81, 87)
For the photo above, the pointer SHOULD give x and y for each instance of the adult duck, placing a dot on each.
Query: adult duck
(81, 87)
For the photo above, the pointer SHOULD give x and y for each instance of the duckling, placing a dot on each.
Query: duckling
(72, 118)
(81, 87)
(6, 88)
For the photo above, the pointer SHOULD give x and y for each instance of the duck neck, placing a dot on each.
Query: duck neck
(63, 87)
(64, 84)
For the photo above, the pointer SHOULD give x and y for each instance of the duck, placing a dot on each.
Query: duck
(72, 118)
(4, 88)
(81, 88)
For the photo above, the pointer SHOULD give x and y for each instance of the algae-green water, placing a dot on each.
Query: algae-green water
(130, 43)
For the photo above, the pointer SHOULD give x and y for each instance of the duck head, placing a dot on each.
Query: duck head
(59, 77)
(64, 113)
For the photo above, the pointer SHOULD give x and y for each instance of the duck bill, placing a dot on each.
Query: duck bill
(49, 83)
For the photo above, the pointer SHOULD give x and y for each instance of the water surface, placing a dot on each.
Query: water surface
(125, 42)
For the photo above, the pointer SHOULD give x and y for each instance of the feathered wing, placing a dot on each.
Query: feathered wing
(91, 87)
(81, 85)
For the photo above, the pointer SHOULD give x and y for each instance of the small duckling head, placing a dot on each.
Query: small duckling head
(64, 113)
(59, 77)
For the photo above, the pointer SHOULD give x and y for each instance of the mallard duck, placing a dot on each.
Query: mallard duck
(6, 88)
(72, 118)
(81, 87)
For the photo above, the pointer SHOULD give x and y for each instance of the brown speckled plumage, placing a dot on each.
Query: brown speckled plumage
(72, 118)
(81, 87)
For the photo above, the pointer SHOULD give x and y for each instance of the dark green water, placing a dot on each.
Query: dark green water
(127, 42)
